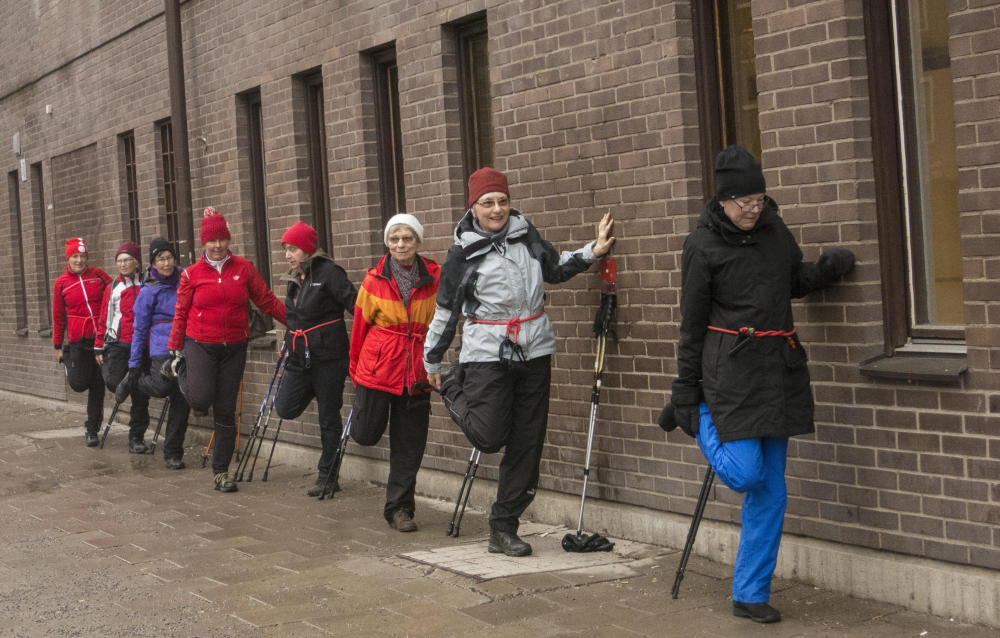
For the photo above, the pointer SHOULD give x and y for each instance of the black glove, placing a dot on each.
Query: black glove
(667, 420)
(687, 417)
(127, 384)
(836, 262)
(172, 366)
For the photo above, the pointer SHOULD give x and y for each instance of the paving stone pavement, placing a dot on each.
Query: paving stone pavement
(103, 543)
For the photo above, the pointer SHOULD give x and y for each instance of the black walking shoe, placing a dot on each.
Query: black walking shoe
(175, 464)
(125, 387)
(90, 439)
(757, 612)
(223, 484)
(402, 521)
(508, 544)
(317, 489)
(137, 446)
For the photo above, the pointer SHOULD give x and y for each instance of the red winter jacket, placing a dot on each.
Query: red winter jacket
(387, 338)
(212, 307)
(115, 322)
(76, 304)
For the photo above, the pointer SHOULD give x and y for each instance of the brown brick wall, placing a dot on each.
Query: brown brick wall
(595, 110)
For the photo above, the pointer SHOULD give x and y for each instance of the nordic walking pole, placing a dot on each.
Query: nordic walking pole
(603, 325)
(159, 424)
(239, 421)
(204, 457)
(242, 462)
(461, 492)
(263, 430)
(274, 442)
(107, 426)
(468, 492)
(333, 476)
(699, 511)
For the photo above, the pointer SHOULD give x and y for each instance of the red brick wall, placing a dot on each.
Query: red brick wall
(595, 110)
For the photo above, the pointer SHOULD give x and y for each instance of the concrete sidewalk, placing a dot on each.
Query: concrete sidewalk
(103, 543)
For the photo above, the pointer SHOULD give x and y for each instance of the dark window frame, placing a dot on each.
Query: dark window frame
(470, 103)
(17, 238)
(388, 133)
(717, 120)
(38, 199)
(168, 183)
(258, 181)
(888, 159)
(131, 185)
(318, 171)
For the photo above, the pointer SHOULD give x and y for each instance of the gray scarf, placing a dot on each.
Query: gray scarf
(406, 278)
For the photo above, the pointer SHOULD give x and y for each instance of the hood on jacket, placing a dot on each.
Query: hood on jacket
(307, 265)
(475, 243)
(714, 218)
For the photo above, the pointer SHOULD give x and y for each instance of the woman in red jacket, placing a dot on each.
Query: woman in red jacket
(75, 309)
(210, 325)
(394, 307)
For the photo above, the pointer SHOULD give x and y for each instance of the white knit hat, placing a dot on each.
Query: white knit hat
(407, 220)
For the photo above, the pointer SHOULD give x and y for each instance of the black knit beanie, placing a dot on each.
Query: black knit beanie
(737, 174)
(157, 246)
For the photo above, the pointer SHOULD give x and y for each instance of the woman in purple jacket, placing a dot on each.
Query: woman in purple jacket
(154, 314)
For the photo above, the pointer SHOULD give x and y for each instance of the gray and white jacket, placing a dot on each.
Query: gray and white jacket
(498, 280)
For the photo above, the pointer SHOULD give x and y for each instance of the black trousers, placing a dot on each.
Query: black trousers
(407, 417)
(324, 380)
(500, 405)
(83, 374)
(116, 355)
(213, 372)
(152, 383)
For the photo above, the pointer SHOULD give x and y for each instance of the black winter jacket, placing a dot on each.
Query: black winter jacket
(731, 279)
(321, 296)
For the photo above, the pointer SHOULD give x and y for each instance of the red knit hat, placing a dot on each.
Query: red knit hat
(129, 248)
(486, 180)
(301, 235)
(75, 245)
(213, 226)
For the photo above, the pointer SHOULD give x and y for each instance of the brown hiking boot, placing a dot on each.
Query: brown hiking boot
(402, 521)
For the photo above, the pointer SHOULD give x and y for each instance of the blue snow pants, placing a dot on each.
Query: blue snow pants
(756, 468)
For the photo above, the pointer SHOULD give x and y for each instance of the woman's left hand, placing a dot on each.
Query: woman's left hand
(604, 241)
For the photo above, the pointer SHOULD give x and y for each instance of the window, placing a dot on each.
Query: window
(252, 146)
(916, 176)
(726, 71)
(45, 293)
(126, 142)
(388, 129)
(319, 175)
(20, 287)
(471, 39)
(169, 176)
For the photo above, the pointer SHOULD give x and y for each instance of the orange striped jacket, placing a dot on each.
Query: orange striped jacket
(387, 338)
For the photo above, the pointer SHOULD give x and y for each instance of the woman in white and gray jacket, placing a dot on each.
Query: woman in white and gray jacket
(494, 275)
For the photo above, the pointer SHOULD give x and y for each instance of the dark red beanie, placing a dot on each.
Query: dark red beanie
(301, 235)
(75, 245)
(213, 226)
(129, 248)
(486, 180)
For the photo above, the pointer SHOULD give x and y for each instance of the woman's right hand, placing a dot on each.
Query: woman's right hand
(434, 380)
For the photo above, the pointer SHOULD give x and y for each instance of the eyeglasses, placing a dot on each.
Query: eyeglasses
(503, 202)
(123, 261)
(748, 205)
(164, 258)
(406, 239)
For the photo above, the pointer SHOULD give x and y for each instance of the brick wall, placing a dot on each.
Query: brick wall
(595, 110)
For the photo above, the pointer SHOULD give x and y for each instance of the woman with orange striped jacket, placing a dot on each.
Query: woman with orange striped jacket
(394, 307)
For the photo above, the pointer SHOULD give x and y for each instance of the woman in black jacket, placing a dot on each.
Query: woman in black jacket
(318, 293)
(742, 383)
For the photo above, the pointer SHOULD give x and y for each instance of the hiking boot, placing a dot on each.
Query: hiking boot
(90, 439)
(317, 489)
(137, 446)
(175, 464)
(223, 484)
(757, 612)
(402, 521)
(508, 544)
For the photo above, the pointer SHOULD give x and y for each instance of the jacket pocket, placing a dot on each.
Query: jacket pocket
(794, 353)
